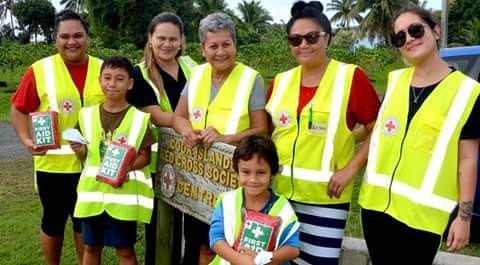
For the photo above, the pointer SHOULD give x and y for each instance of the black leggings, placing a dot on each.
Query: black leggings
(392, 242)
(58, 194)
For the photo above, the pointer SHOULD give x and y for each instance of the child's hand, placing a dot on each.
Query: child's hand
(246, 260)
(247, 252)
(77, 147)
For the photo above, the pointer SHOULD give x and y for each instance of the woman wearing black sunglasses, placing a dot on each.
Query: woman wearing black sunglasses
(423, 152)
(314, 108)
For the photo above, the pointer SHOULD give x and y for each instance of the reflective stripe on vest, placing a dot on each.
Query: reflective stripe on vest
(186, 64)
(57, 92)
(134, 199)
(424, 168)
(320, 131)
(228, 111)
(232, 203)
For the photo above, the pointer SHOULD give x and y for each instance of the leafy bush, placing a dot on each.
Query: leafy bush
(269, 57)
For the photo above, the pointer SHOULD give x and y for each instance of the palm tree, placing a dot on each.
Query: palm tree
(253, 15)
(75, 5)
(205, 7)
(253, 21)
(6, 7)
(345, 12)
(378, 21)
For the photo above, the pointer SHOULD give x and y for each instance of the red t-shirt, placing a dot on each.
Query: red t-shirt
(363, 103)
(26, 98)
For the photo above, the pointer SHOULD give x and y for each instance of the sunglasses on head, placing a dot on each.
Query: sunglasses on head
(311, 38)
(415, 30)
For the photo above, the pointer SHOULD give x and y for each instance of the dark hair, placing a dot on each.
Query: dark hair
(312, 10)
(68, 14)
(262, 146)
(166, 17)
(424, 15)
(118, 62)
(149, 57)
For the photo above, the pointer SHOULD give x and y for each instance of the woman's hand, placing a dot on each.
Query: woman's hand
(31, 148)
(339, 181)
(459, 234)
(209, 136)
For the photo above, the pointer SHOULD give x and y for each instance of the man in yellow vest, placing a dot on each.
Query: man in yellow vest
(64, 82)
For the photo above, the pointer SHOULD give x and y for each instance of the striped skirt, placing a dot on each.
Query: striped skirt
(321, 232)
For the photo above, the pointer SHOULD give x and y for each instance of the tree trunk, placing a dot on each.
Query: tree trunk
(11, 23)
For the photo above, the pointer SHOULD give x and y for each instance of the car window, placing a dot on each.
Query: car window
(468, 64)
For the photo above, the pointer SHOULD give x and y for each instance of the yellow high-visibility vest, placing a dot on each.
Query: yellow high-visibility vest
(228, 112)
(186, 64)
(313, 146)
(232, 202)
(412, 174)
(57, 92)
(133, 201)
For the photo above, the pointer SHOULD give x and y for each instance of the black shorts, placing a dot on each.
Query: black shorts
(58, 194)
(104, 230)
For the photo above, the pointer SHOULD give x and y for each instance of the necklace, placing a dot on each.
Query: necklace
(416, 97)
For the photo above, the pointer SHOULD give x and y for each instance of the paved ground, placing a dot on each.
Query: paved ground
(10, 146)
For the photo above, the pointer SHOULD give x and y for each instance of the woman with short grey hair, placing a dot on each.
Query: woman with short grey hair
(224, 101)
(217, 22)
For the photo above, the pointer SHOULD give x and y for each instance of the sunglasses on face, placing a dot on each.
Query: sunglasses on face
(311, 38)
(415, 30)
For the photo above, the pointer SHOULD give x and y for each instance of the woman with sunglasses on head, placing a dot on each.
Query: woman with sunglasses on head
(423, 152)
(159, 80)
(314, 107)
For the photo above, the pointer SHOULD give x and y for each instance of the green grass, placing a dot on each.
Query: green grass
(20, 221)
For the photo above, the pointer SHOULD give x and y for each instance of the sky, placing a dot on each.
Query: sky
(280, 9)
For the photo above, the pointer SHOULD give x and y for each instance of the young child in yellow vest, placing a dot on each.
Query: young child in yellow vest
(238, 233)
(109, 213)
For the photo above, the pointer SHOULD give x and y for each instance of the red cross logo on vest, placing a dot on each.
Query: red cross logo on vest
(390, 126)
(122, 139)
(67, 106)
(197, 114)
(168, 181)
(283, 119)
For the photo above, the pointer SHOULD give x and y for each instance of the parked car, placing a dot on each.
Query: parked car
(467, 60)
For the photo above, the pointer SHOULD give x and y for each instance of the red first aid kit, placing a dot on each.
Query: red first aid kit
(115, 163)
(44, 127)
(258, 232)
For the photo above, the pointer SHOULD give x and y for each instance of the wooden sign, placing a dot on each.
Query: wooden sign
(190, 179)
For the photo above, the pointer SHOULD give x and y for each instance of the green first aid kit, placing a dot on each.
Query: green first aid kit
(44, 127)
(115, 163)
(259, 232)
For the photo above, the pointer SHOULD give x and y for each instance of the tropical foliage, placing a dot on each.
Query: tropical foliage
(345, 13)
(6, 10)
(461, 22)
(35, 17)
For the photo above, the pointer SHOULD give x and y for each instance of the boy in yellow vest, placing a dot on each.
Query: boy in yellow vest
(109, 214)
(255, 161)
